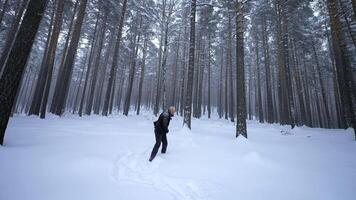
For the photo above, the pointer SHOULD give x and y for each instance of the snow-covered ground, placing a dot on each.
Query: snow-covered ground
(100, 158)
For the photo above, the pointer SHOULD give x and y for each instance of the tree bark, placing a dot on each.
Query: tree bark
(115, 60)
(269, 117)
(159, 67)
(342, 62)
(12, 34)
(80, 112)
(61, 98)
(49, 63)
(231, 82)
(189, 91)
(15, 65)
(240, 73)
(96, 61)
(41, 79)
(64, 54)
(142, 76)
(259, 95)
(209, 76)
(132, 70)
(3, 10)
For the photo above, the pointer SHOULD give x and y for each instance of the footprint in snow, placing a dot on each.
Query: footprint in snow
(134, 168)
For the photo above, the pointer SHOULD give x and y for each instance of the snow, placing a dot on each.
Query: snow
(96, 157)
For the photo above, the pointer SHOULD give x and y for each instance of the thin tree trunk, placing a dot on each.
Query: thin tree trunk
(91, 51)
(49, 63)
(113, 69)
(183, 75)
(175, 69)
(259, 95)
(142, 76)
(270, 116)
(158, 88)
(61, 68)
(132, 70)
(229, 64)
(75, 105)
(41, 79)
(96, 61)
(318, 70)
(209, 77)
(65, 78)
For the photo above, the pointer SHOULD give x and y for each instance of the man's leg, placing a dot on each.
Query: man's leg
(164, 143)
(156, 147)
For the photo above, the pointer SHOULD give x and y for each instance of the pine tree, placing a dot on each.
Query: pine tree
(113, 69)
(15, 65)
(241, 104)
(63, 81)
(189, 91)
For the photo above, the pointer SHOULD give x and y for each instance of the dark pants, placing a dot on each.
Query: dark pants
(160, 138)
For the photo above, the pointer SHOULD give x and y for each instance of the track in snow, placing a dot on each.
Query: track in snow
(134, 168)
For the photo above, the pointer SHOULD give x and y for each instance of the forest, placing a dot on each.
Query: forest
(261, 95)
(289, 62)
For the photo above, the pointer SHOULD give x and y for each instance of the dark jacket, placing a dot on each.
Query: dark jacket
(161, 125)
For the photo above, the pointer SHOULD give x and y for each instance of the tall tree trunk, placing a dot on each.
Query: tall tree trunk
(342, 62)
(270, 116)
(189, 90)
(111, 103)
(61, 98)
(226, 86)
(175, 69)
(64, 55)
(164, 59)
(41, 79)
(142, 76)
(209, 76)
(96, 61)
(15, 65)
(197, 61)
(121, 87)
(110, 86)
(200, 81)
(306, 87)
(132, 70)
(91, 51)
(299, 85)
(259, 95)
(221, 84)
(159, 67)
(231, 82)
(75, 105)
(324, 100)
(282, 63)
(99, 99)
(183, 74)
(49, 63)
(240, 73)
(250, 80)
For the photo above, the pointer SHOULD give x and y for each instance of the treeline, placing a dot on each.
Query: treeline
(100, 57)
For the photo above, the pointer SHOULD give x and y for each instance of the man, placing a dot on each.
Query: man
(161, 130)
